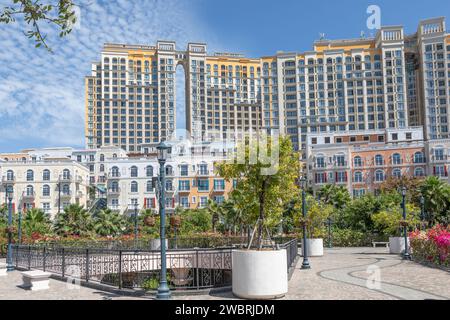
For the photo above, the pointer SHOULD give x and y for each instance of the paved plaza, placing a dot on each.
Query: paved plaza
(343, 273)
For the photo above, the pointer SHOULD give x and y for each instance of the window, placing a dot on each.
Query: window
(184, 170)
(30, 191)
(30, 175)
(357, 161)
(66, 174)
(46, 190)
(203, 202)
(169, 170)
(149, 171)
(320, 162)
(169, 185)
(358, 193)
(397, 173)
(115, 172)
(358, 177)
(203, 185)
(408, 136)
(184, 185)
(340, 160)
(419, 172)
(66, 190)
(46, 175)
(219, 185)
(396, 159)
(134, 172)
(184, 201)
(418, 157)
(46, 207)
(379, 161)
(439, 154)
(203, 169)
(313, 140)
(149, 185)
(134, 187)
(102, 158)
(10, 175)
(379, 176)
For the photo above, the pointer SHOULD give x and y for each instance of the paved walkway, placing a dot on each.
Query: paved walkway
(343, 273)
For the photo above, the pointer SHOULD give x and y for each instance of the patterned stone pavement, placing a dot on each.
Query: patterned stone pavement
(343, 273)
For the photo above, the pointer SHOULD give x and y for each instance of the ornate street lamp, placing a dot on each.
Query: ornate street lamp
(406, 255)
(422, 211)
(9, 262)
(135, 224)
(163, 290)
(305, 263)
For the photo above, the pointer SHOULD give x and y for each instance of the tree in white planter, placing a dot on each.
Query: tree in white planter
(390, 222)
(317, 215)
(265, 182)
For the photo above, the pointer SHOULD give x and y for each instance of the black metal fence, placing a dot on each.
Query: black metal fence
(128, 265)
(189, 269)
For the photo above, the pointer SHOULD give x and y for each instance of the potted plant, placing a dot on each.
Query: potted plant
(390, 223)
(263, 189)
(317, 215)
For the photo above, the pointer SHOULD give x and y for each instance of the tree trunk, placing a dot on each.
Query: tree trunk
(261, 213)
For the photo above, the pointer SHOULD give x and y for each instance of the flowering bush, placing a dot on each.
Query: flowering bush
(432, 245)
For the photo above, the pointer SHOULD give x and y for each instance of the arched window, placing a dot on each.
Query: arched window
(379, 161)
(418, 157)
(357, 161)
(396, 158)
(338, 60)
(66, 189)
(310, 61)
(102, 158)
(169, 185)
(134, 187)
(379, 176)
(358, 177)
(115, 172)
(10, 175)
(66, 174)
(46, 175)
(30, 191)
(397, 173)
(169, 170)
(30, 175)
(106, 60)
(329, 61)
(149, 171)
(134, 172)
(114, 155)
(149, 186)
(114, 186)
(320, 161)
(46, 190)
(419, 172)
(357, 58)
(102, 168)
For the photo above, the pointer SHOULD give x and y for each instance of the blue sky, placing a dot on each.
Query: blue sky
(42, 94)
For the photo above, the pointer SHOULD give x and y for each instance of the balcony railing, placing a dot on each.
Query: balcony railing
(114, 174)
(6, 180)
(113, 191)
(66, 194)
(203, 172)
(439, 158)
(28, 195)
(65, 178)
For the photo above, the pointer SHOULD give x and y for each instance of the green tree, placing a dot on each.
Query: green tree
(389, 222)
(437, 199)
(109, 223)
(268, 192)
(61, 14)
(195, 221)
(337, 196)
(36, 221)
(73, 221)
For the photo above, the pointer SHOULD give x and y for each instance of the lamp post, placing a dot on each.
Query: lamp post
(19, 232)
(305, 263)
(135, 224)
(329, 222)
(406, 255)
(163, 289)
(422, 211)
(9, 262)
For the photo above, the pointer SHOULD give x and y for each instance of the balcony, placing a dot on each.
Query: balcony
(115, 208)
(113, 191)
(9, 180)
(65, 178)
(114, 175)
(203, 173)
(28, 195)
(66, 194)
(440, 158)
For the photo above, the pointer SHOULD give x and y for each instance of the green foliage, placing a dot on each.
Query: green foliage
(36, 221)
(337, 196)
(389, 221)
(261, 194)
(317, 215)
(195, 221)
(108, 223)
(33, 12)
(152, 282)
(73, 221)
(437, 200)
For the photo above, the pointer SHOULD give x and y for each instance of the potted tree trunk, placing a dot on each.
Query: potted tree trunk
(390, 222)
(317, 215)
(260, 270)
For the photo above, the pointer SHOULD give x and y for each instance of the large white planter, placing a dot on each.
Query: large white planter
(155, 244)
(314, 247)
(397, 245)
(2, 269)
(259, 274)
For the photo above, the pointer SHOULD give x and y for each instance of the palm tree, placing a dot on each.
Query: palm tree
(109, 223)
(36, 221)
(437, 199)
(336, 196)
(216, 211)
(74, 220)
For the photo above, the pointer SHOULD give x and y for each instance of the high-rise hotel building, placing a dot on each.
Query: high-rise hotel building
(387, 82)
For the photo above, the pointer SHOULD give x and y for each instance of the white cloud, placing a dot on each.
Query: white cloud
(42, 94)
